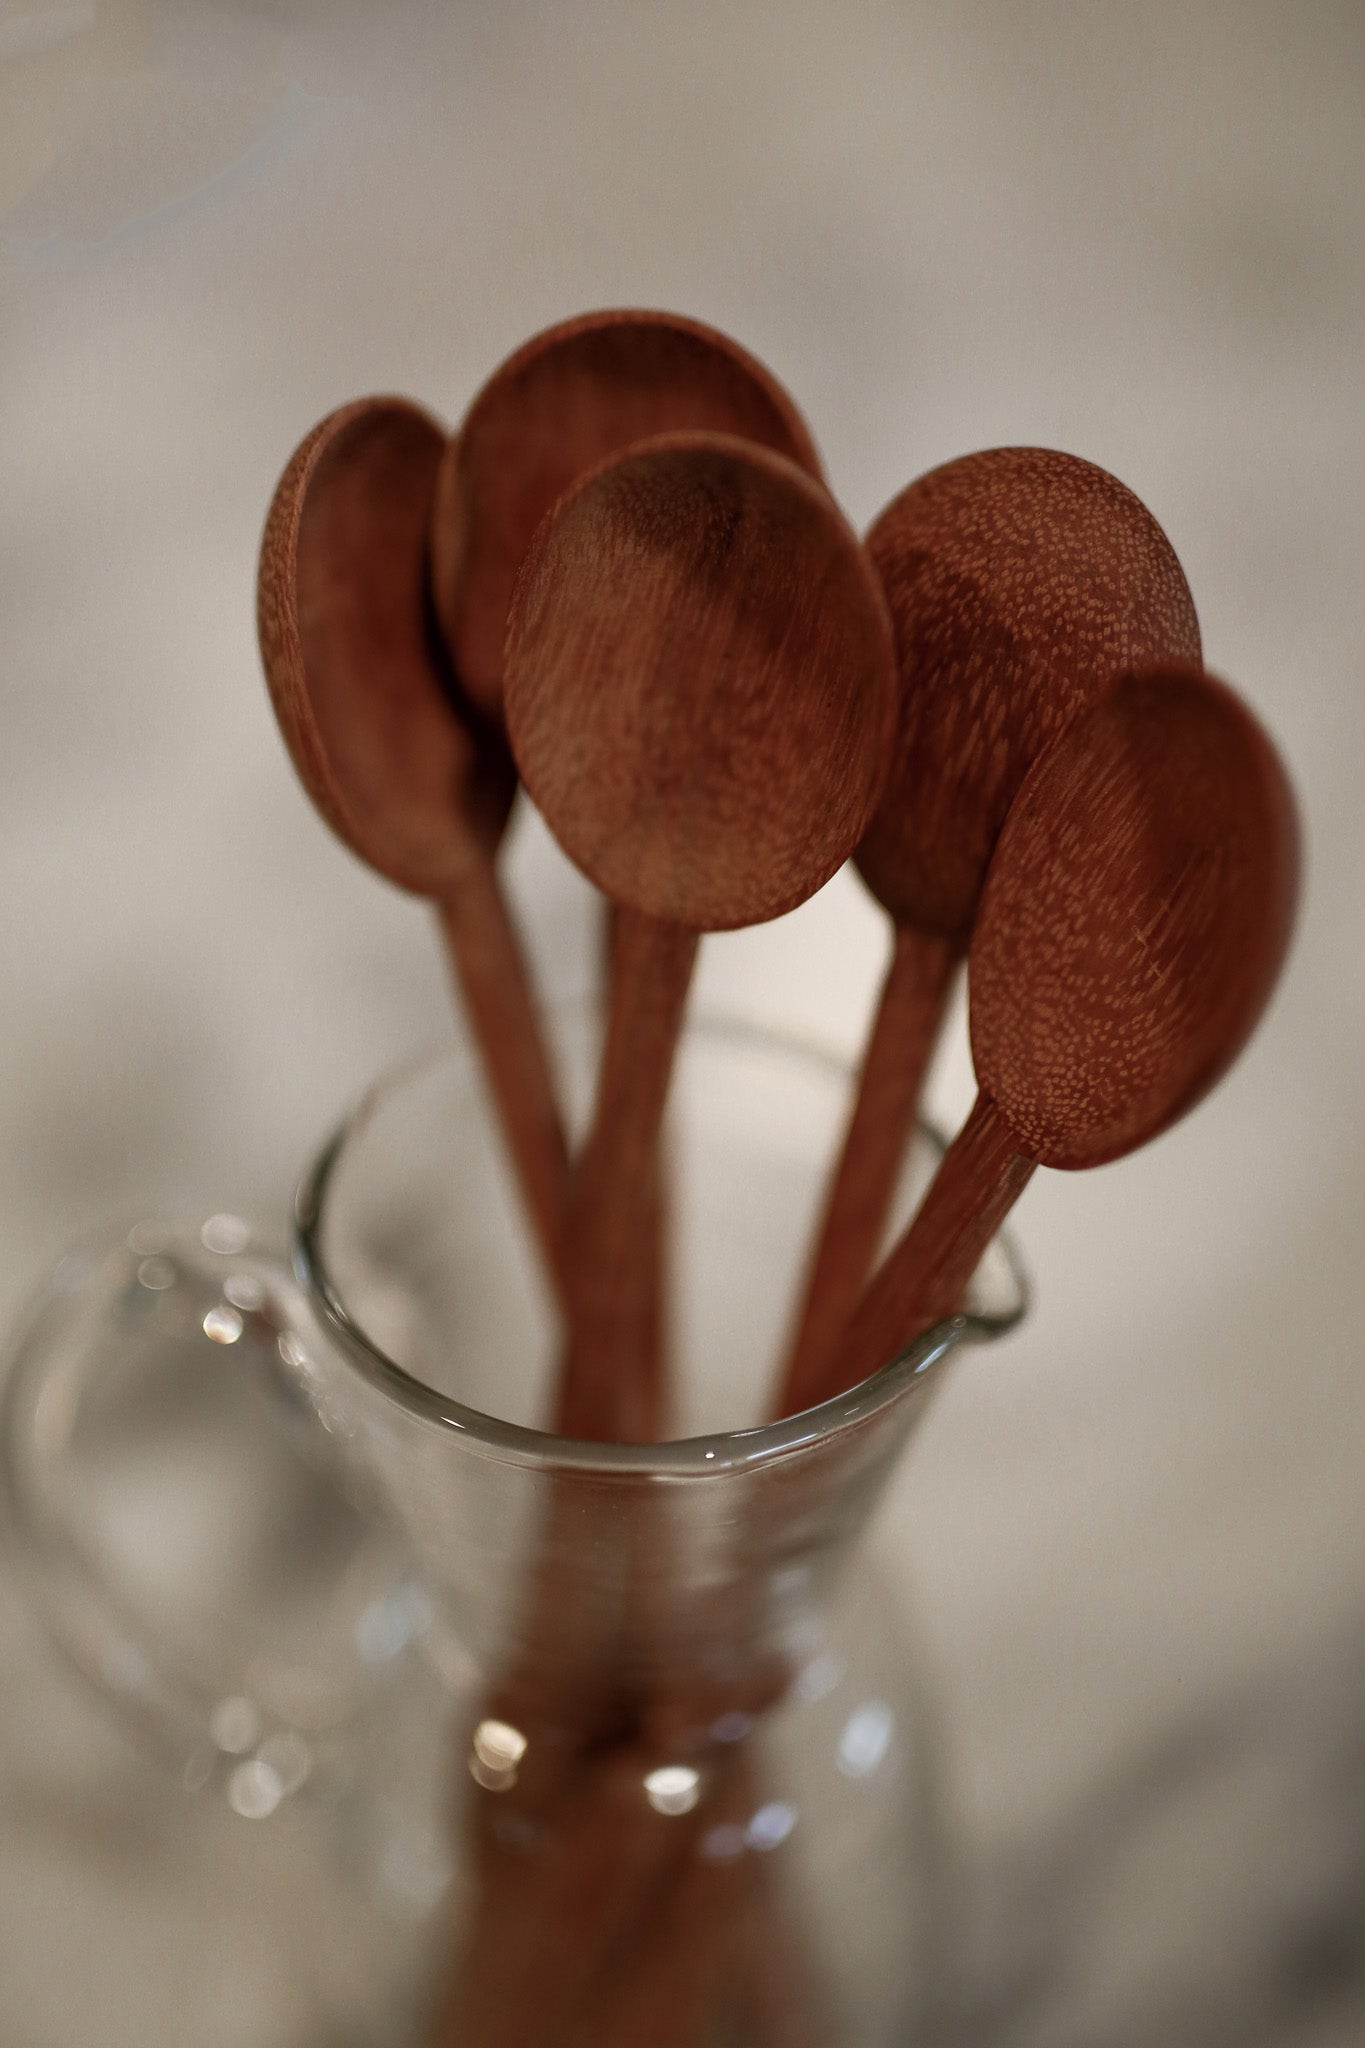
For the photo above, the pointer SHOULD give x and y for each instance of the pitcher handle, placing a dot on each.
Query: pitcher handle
(156, 1396)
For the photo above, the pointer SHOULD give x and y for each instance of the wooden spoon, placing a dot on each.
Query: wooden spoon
(700, 700)
(415, 787)
(1021, 581)
(568, 399)
(1132, 927)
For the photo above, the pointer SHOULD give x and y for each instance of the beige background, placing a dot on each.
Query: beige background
(1132, 231)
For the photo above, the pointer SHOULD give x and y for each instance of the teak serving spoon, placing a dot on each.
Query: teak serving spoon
(1021, 581)
(1133, 924)
(699, 692)
(561, 405)
(414, 786)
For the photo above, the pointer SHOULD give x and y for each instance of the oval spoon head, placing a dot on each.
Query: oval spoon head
(353, 672)
(1134, 920)
(571, 397)
(1021, 581)
(699, 681)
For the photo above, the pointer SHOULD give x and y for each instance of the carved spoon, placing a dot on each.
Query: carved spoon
(1021, 581)
(1132, 927)
(418, 789)
(562, 404)
(699, 698)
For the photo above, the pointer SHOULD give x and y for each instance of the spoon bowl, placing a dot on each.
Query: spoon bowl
(699, 687)
(562, 404)
(1020, 582)
(414, 785)
(417, 791)
(1133, 925)
(1135, 920)
(700, 698)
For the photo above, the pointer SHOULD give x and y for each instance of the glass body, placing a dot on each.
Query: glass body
(674, 1771)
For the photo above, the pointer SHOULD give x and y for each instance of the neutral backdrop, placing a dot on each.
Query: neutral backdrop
(1136, 232)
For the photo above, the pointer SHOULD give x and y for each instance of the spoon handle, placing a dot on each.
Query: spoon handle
(612, 1285)
(691, 1948)
(980, 1178)
(646, 1397)
(490, 968)
(906, 1027)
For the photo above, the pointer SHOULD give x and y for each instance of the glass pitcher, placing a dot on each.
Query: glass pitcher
(614, 1744)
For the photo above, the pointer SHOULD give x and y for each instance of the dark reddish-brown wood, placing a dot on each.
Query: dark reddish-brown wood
(905, 1028)
(570, 398)
(602, 1923)
(700, 697)
(697, 1949)
(1133, 924)
(419, 790)
(1021, 581)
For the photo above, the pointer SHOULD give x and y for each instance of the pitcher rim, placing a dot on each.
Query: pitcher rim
(672, 1457)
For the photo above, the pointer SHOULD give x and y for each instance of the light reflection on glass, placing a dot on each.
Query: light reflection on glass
(157, 1274)
(673, 1788)
(498, 1750)
(499, 1745)
(254, 1790)
(223, 1325)
(226, 1234)
(863, 1744)
(771, 1825)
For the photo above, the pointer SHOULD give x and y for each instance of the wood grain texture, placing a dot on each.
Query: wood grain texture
(418, 792)
(923, 1279)
(1020, 582)
(699, 681)
(1135, 919)
(905, 1029)
(562, 404)
(699, 696)
(493, 978)
(415, 788)
(1133, 925)
(560, 1899)
(646, 1398)
(603, 1923)
(607, 1383)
